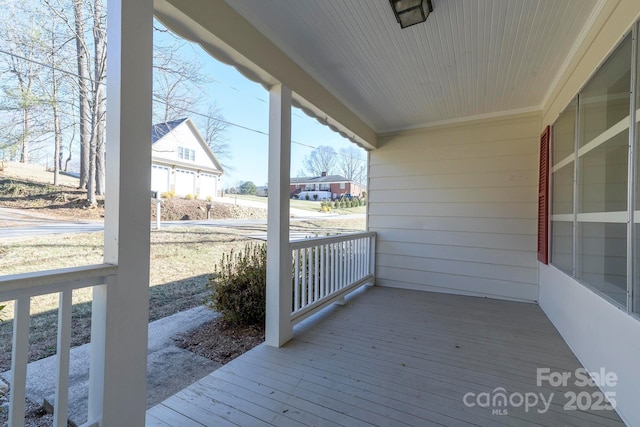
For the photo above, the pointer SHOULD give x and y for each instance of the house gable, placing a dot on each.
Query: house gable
(170, 139)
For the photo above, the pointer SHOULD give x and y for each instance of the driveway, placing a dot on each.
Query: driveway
(15, 223)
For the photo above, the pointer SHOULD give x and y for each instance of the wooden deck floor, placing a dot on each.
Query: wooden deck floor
(393, 357)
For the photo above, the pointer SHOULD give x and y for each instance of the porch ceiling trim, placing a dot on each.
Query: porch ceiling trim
(230, 38)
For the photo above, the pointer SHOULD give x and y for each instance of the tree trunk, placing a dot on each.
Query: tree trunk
(83, 93)
(57, 131)
(24, 153)
(100, 54)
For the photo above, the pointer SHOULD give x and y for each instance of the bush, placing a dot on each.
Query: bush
(306, 197)
(209, 198)
(315, 197)
(189, 197)
(248, 187)
(336, 204)
(168, 194)
(238, 286)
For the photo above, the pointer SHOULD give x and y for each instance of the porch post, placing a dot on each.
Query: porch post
(279, 329)
(117, 391)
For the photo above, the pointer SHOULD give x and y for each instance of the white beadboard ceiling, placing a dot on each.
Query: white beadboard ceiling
(471, 58)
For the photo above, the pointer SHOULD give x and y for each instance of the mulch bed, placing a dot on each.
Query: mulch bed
(221, 342)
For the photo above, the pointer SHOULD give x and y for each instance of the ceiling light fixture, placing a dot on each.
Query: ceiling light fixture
(411, 12)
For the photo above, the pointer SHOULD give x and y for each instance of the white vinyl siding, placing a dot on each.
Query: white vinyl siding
(455, 208)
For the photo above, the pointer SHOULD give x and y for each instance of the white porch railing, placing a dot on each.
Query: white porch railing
(326, 268)
(20, 288)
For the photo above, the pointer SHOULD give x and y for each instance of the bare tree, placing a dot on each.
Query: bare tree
(214, 135)
(21, 41)
(83, 63)
(177, 92)
(176, 80)
(352, 164)
(322, 159)
(99, 109)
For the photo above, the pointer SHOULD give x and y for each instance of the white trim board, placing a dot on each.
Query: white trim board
(611, 217)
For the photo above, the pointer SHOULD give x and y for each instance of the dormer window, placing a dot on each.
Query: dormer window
(186, 154)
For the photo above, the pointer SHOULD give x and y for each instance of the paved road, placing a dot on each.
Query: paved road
(15, 223)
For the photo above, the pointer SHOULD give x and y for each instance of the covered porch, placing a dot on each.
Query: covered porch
(396, 357)
(462, 310)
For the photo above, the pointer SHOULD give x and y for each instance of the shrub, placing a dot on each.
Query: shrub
(336, 204)
(209, 198)
(315, 197)
(189, 197)
(306, 197)
(167, 194)
(238, 285)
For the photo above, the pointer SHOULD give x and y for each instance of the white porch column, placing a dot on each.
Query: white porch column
(278, 324)
(117, 393)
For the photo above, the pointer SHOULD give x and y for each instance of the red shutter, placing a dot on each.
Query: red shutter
(543, 198)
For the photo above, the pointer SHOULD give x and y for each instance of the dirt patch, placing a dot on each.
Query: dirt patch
(182, 209)
(70, 203)
(221, 342)
(35, 415)
(55, 201)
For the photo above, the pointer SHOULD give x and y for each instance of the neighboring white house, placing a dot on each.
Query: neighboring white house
(182, 161)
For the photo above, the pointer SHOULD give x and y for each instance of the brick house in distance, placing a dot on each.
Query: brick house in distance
(338, 185)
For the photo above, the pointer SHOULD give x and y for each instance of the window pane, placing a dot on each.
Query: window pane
(564, 130)
(602, 258)
(602, 177)
(562, 245)
(605, 100)
(562, 190)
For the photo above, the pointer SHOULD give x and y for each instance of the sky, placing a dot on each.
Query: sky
(245, 103)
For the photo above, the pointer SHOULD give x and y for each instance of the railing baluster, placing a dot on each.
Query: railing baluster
(64, 346)
(360, 275)
(19, 360)
(334, 267)
(304, 277)
(296, 280)
(316, 281)
(357, 259)
(310, 276)
(323, 272)
(345, 264)
(328, 275)
(352, 261)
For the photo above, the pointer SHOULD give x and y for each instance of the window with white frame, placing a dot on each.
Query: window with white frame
(186, 154)
(590, 180)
